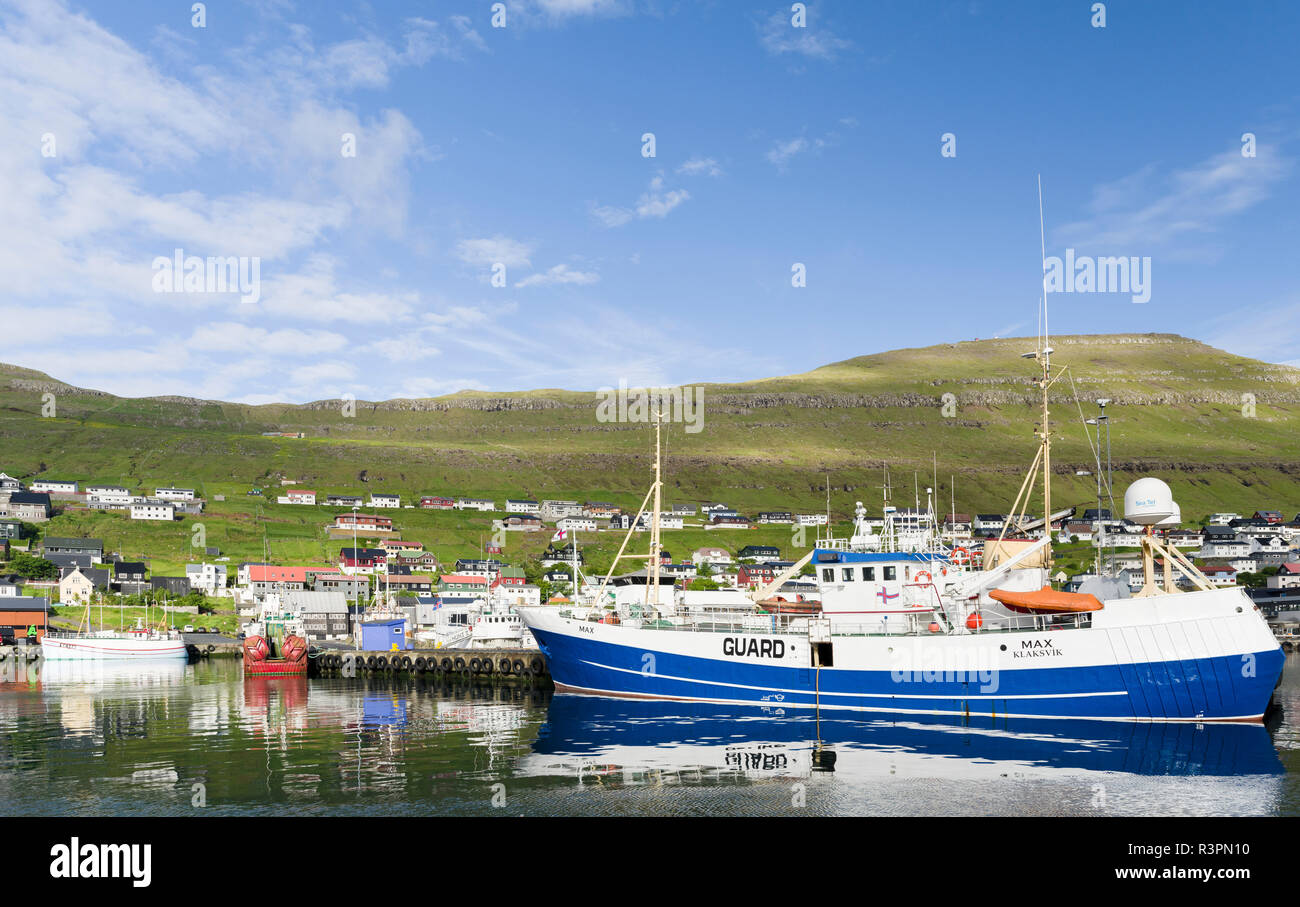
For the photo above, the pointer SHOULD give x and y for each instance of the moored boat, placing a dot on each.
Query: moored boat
(914, 632)
(112, 645)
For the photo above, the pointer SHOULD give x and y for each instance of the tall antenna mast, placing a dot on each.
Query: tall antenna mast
(1045, 360)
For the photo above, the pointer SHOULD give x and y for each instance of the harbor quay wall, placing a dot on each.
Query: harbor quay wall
(495, 664)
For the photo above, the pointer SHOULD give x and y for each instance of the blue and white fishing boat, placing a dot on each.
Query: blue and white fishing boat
(912, 632)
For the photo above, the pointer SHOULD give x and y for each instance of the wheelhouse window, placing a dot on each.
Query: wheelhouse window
(828, 574)
(891, 572)
(869, 574)
(846, 574)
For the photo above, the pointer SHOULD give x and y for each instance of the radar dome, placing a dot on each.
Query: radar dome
(1148, 501)
(1174, 519)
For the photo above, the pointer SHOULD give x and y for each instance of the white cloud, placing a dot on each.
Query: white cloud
(782, 152)
(560, 9)
(492, 250)
(406, 348)
(610, 215)
(1147, 209)
(560, 274)
(778, 35)
(700, 165)
(234, 337)
(654, 202)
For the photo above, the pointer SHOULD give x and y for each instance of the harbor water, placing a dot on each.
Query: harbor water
(173, 739)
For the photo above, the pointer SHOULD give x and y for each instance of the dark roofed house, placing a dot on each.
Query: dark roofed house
(54, 545)
(98, 576)
(129, 570)
(32, 506)
(70, 560)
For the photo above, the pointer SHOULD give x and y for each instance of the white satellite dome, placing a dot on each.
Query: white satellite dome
(1149, 501)
(1174, 519)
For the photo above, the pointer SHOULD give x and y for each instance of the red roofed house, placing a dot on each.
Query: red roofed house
(363, 522)
(362, 560)
(463, 584)
(754, 575)
(264, 578)
(1288, 577)
(1222, 575)
(301, 496)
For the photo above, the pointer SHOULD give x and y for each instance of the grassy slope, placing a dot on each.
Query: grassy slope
(765, 444)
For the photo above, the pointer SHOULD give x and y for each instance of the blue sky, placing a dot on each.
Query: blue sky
(522, 146)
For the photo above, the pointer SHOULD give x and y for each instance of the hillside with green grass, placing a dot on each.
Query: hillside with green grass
(769, 444)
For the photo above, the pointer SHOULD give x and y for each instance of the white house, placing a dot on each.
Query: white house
(812, 519)
(298, 496)
(711, 556)
(386, 500)
(110, 495)
(1273, 544)
(576, 524)
(475, 504)
(54, 486)
(523, 506)
(174, 494)
(153, 510)
(554, 510)
(1288, 577)
(1224, 548)
(211, 578)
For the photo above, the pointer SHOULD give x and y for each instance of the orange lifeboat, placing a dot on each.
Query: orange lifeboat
(1046, 601)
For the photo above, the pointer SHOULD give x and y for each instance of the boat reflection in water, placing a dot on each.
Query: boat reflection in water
(586, 735)
(140, 673)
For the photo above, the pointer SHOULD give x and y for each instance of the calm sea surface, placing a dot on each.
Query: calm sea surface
(177, 739)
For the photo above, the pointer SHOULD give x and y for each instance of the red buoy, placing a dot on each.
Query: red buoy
(974, 621)
(934, 626)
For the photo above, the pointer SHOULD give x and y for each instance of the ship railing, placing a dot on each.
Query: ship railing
(1021, 623)
(919, 626)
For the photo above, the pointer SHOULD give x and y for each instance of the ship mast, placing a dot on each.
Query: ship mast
(652, 575)
(1045, 380)
(653, 498)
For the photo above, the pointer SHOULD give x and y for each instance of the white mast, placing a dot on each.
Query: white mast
(652, 575)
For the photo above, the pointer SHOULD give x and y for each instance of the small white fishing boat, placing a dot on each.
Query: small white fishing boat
(135, 643)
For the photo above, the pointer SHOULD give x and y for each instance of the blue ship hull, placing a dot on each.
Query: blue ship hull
(1200, 689)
